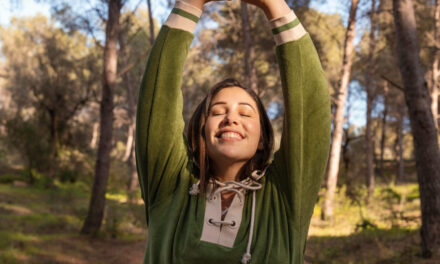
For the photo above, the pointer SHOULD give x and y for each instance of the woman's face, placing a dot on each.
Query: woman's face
(232, 128)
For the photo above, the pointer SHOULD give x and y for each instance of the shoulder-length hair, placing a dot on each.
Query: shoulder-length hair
(197, 141)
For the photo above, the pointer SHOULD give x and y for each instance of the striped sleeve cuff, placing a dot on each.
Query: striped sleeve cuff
(287, 28)
(183, 16)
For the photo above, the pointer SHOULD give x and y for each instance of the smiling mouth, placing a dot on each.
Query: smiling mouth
(229, 136)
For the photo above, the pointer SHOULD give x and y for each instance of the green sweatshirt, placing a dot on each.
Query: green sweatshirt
(179, 226)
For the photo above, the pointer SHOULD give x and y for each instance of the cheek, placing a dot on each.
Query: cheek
(253, 129)
(210, 126)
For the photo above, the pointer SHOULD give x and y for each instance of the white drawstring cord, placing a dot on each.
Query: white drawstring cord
(230, 189)
(247, 256)
(251, 184)
(194, 190)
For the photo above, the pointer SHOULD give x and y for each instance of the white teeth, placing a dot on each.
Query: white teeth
(230, 135)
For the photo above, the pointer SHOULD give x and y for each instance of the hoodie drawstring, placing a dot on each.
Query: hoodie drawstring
(250, 183)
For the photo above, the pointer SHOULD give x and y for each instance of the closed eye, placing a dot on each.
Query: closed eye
(217, 112)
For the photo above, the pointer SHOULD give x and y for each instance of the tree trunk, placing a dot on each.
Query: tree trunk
(384, 126)
(338, 122)
(435, 71)
(370, 88)
(97, 201)
(130, 134)
(133, 183)
(95, 134)
(53, 114)
(401, 162)
(129, 157)
(150, 18)
(249, 51)
(345, 151)
(422, 124)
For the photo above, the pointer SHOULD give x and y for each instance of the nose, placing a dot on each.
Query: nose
(230, 118)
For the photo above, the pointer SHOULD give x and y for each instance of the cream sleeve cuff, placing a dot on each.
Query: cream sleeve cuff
(183, 16)
(287, 28)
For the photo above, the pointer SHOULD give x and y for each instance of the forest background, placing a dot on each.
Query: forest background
(68, 183)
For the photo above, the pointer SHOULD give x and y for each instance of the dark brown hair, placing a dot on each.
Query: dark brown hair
(196, 135)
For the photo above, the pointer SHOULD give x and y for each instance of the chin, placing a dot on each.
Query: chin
(233, 154)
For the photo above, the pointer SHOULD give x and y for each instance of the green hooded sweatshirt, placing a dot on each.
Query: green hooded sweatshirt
(187, 228)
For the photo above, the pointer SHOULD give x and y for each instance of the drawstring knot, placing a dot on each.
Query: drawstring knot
(194, 190)
(250, 183)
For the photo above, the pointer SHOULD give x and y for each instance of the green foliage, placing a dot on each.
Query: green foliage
(73, 165)
(328, 34)
(114, 217)
(365, 225)
(51, 77)
(382, 230)
(10, 178)
(21, 135)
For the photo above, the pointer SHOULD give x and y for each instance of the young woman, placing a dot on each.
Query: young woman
(214, 198)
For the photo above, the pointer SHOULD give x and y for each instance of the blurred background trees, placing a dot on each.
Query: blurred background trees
(54, 82)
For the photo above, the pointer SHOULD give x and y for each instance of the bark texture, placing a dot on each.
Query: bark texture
(435, 71)
(384, 128)
(102, 166)
(150, 18)
(399, 147)
(338, 121)
(95, 134)
(129, 157)
(371, 94)
(422, 124)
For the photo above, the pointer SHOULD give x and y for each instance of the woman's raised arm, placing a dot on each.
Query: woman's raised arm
(160, 147)
(301, 160)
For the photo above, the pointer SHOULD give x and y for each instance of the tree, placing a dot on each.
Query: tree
(150, 19)
(50, 79)
(422, 124)
(97, 201)
(129, 156)
(400, 168)
(384, 127)
(133, 41)
(434, 68)
(338, 121)
(370, 88)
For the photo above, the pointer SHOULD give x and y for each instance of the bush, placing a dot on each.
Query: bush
(10, 178)
(28, 139)
(114, 216)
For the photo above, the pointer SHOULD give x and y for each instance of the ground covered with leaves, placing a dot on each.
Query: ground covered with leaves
(42, 226)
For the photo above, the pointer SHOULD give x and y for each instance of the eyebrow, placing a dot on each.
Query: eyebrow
(241, 103)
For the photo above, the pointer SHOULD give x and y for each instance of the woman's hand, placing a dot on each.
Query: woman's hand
(272, 8)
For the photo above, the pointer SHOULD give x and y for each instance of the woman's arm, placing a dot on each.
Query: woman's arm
(301, 160)
(160, 147)
(305, 141)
